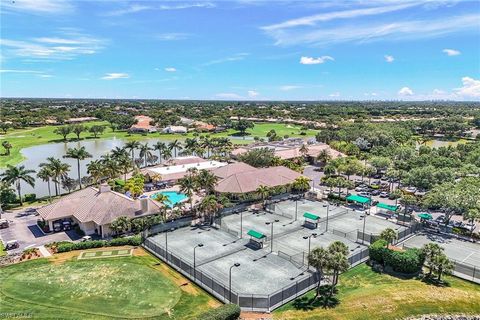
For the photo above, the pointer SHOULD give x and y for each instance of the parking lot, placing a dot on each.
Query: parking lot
(23, 228)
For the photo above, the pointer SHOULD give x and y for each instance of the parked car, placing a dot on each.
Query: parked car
(375, 192)
(12, 244)
(360, 188)
(67, 225)
(86, 238)
(57, 227)
(364, 194)
(383, 194)
(392, 196)
(4, 223)
(31, 211)
(457, 224)
(440, 219)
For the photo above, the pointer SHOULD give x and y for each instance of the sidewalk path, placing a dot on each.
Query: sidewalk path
(44, 251)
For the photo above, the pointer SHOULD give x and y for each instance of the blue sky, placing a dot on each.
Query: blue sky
(241, 50)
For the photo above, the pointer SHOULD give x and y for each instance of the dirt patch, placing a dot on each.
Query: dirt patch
(255, 316)
(183, 283)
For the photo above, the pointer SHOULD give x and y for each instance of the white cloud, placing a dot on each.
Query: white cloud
(311, 60)
(289, 87)
(170, 69)
(112, 76)
(45, 75)
(346, 14)
(235, 57)
(405, 91)
(70, 45)
(389, 58)
(370, 94)
(172, 36)
(228, 96)
(134, 8)
(38, 6)
(334, 94)
(372, 30)
(451, 52)
(253, 93)
(19, 71)
(438, 92)
(470, 89)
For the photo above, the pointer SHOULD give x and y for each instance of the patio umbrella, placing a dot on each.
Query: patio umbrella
(425, 216)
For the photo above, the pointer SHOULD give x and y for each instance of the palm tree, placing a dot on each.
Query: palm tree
(388, 235)
(188, 185)
(118, 153)
(79, 154)
(46, 175)
(191, 145)
(132, 145)
(110, 166)
(14, 176)
(125, 165)
(304, 149)
(442, 265)
(145, 152)
(167, 153)
(338, 263)
(121, 224)
(319, 259)
(324, 157)
(59, 171)
(159, 146)
(7, 145)
(175, 146)
(96, 170)
(430, 251)
(69, 184)
(207, 144)
(207, 180)
(471, 216)
(264, 192)
(301, 184)
(209, 206)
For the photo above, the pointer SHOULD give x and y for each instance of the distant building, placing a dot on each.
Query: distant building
(143, 125)
(204, 127)
(175, 129)
(186, 121)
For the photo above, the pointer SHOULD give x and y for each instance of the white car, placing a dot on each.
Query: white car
(86, 238)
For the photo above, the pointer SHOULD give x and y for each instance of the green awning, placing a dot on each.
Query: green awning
(359, 199)
(426, 216)
(311, 216)
(255, 234)
(388, 207)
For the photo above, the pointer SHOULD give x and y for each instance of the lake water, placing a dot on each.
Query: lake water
(443, 143)
(97, 148)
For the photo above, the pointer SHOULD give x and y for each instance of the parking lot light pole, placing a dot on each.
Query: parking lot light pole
(309, 240)
(236, 265)
(271, 233)
(194, 260)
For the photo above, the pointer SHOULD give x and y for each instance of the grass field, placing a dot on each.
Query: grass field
(63, 287)
(2, 249)
(25, 138)
(365, 294)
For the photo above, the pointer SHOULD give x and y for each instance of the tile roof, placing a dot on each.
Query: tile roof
(100, 207)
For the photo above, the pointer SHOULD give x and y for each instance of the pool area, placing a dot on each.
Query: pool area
(173, 196)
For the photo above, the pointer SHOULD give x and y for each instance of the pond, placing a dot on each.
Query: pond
(436, 143)
(97, 148)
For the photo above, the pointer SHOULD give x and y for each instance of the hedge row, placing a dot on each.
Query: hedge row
(70, 246)
(225, 312)
(408, 261)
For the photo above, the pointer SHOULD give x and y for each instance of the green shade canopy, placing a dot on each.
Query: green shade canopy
(388, 207)
(426, 216)
(311, 216)
(256, 234)
(359, 199)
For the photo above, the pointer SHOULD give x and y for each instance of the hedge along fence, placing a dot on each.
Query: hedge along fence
(70, 246)
(406, 261)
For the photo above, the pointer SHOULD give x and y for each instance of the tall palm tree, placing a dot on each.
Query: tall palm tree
(319, 259)
(167, 153)
(125, 165)
(301, 184)
(118, 153)
(145, 152)
(264, 192)
(304, 149)
(15, 175)
(110, 166)
(159, 146)
(46, 175)
(207, 180)
(132, 145)
(96, 170)
(188, 185)
(79, 154)
(389, 235)
(175, 146)
(59, 171)
(209, 206)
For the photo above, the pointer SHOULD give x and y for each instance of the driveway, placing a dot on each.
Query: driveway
(24, 229)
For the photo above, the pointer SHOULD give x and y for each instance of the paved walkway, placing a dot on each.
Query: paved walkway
(44, 251)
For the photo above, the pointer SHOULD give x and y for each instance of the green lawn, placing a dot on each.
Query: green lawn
(121, 287)
(367, 295)
(2, 249)
(25, 138)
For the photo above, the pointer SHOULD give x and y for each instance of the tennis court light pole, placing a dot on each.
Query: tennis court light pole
(271, 234)
(364, 221)
(309, 240)
(235, 265)
(328, 209)
(296, 208)
(166, 242)
(194, 260)
(241, 224)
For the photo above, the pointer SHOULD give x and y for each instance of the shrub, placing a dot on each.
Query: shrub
(378, 250)
(30, 197)
(70, 246)
(225, 312)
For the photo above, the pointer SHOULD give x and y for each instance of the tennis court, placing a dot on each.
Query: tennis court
(458, 250)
